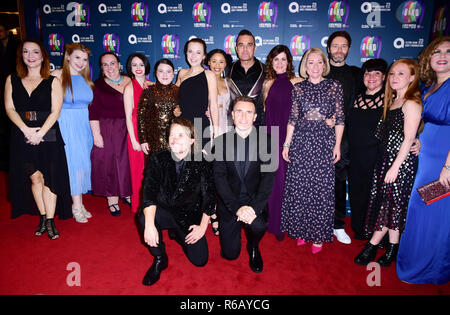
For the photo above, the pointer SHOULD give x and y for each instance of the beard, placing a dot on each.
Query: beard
(339, 59)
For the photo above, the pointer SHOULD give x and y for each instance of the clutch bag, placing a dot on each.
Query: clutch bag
(433, 191)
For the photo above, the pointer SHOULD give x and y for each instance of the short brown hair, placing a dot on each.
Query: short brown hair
(21, 67)
(243, 98)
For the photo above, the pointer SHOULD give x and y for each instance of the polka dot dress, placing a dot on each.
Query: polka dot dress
(308, 199)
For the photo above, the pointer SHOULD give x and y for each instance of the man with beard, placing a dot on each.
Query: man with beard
(338, 47)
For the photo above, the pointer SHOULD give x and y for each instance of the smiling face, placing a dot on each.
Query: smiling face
(110, 67)
(138, 67)
(78, 60)
(315, 66)
(280, 63)
(217, 63)
(440, 58)
(32, 55)
(373, 80)
(164, 74)
(180, 140)
(195, 54)
(244, 116)
(400, 77)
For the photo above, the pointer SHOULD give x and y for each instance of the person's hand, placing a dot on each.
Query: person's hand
(391, 175)
(145, 148)
(98, 141)
(177, 111)
(136, 146)
(197, 232)
(444, 178)
(151, 236)
(331, 122)
(246, 214)
(285, 154)
(147, 84)
(29, 132)
(207, 114)
(415, 148)
(36, 138)
(336, 154)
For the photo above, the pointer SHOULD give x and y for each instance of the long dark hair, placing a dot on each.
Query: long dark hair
(275, 51)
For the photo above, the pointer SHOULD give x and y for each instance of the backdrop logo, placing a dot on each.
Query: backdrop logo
(79, 14)
(300, 44)
(371, 47)
(338, 12)
(111, 42)
(170, 44)
(267, 14)
(440, 22)
(56, 42)
(139, 12)
(410, 12)
(230, 44)
(201, 14)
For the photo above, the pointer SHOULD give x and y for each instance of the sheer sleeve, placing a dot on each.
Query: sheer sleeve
(338, 94)
(142, 116)
(295, 109)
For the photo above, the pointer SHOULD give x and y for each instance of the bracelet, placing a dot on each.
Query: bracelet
(447, 167)
(286, 145)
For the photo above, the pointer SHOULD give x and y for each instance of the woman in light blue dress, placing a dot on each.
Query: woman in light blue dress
(74, 123)
(424, 253)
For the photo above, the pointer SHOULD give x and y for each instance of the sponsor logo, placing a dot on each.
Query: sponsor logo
(267, 14)
(230, 44)
(56, 42)
(170, 44)
(410, 12)
(201, 14)
(111, 42)
(300, 44)
(371, 47)
(79, 15)
(440, 22)
(338, 12)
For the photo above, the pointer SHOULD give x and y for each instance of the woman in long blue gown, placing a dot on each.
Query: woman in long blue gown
(424, 253)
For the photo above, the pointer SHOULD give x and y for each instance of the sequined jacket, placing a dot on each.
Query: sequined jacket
(155, 113)
(187, 198)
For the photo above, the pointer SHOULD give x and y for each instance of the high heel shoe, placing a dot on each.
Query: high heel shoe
(86, 213)
(51, 228)
(126, 200)
(116, 211)
(78, 215)
(300, 242)
(42, 228)
(316, 249)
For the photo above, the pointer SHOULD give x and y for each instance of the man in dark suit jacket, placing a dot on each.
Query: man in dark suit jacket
(244, 169)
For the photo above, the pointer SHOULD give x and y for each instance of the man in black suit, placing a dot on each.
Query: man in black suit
(244, 169)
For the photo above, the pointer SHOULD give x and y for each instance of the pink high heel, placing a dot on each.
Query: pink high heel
(300, 242)
(316, 249)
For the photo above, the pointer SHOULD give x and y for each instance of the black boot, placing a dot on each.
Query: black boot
(159, 264)
(255, 262)
(366, 255)
(389, 256)
(42, 228)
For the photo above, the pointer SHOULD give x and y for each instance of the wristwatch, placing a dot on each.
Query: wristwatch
(286, 145)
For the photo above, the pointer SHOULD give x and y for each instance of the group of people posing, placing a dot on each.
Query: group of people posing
(241, 145)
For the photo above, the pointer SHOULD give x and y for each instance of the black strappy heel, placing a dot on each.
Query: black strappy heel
(116, 211)
(51, 229)
(42, 228)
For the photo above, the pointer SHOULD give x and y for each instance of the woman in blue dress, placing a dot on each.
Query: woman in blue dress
(74, 123)
(424, 253)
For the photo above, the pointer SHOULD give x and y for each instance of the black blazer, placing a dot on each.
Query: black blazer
(226, 175)
(187, 200)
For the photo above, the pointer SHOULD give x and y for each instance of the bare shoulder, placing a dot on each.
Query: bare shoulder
(296, 80)
(412, 107)
(57, 73)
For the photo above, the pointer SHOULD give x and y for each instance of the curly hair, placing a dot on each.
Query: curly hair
(427, 74)
(270, 72)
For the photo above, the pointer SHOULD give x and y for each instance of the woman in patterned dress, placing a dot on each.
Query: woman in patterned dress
(312, 149)
(396, 166)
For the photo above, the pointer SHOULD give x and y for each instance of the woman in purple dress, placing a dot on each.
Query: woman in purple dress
(312, 149)
(277, 89)
(110, 165)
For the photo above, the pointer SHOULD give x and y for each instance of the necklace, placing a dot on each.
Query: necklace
(116, 81)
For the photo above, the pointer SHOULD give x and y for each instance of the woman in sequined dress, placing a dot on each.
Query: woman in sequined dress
(158, 105)
(137, 68)
(396, 165)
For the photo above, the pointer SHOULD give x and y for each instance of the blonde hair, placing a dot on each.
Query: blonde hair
(66, 79)
(412, 93)
(302, 69)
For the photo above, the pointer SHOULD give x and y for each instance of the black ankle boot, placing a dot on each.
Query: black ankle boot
(255, 260)
(153, 274)
(51, 229)
(366, 255)
(390, 255)
(42, 228)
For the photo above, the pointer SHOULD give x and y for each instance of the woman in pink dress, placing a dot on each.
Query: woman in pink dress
(137, 68)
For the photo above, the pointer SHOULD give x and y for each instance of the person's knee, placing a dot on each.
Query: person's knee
(230, 253)
(199, 261)
(259, 225)
(37, 179)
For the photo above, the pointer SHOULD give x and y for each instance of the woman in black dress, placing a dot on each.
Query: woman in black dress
(33, 101)
(198, 91)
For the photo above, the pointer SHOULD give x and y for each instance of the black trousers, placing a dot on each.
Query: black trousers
(359, 184)
(196, 253)
(230, 235)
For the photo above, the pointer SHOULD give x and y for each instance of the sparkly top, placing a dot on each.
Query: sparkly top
(155, 113)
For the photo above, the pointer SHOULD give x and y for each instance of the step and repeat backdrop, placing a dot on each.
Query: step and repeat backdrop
(159, 29)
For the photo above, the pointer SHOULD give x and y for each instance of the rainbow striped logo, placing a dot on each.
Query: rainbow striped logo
(440, 22)
(170, 44)
(371, 47)
(82, 13)
(111, 42)
(56, 42)
(229, 44)
(201, 12)
(338, 12)
(268, 12)
(139, 12)
(300, 44)
(410, 12)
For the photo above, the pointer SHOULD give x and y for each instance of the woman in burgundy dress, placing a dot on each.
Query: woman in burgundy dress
(110, 166)
(277, 88)
(137, 68)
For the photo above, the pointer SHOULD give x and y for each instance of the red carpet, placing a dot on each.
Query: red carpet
(113, 261)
